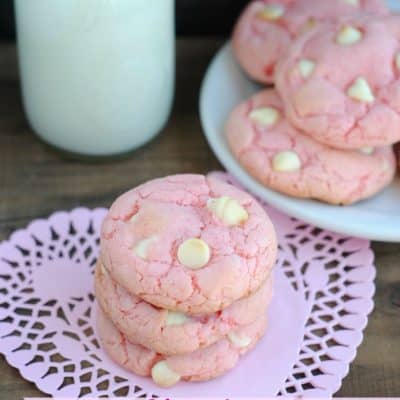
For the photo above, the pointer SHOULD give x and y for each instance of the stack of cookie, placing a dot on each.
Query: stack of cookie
(327, 129)
(184, 278)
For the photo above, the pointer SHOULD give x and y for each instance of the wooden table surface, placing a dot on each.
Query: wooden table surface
(35, 182)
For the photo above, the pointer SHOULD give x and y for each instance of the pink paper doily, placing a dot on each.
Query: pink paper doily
(323, 296)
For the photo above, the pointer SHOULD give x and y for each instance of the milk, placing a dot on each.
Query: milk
(97, 75)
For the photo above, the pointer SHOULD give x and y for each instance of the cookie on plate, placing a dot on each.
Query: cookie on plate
(340, 83)
(201, 365)
(286, 160)
(171, 332)
(267, 27)
(188, 243)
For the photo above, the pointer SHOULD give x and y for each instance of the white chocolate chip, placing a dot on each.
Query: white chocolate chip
(306, 67)
(398, 61)
(141, 249)
(103, 269)
(194, 253)
(271, 12)
(228, 210)
(354, 3)
(286, 161)
(163, 375)
(367, 150)
(349, 35)
(176, 318)
(265, 116)
(386, 165)
(361, 91)
(239, 341)
(134, 217)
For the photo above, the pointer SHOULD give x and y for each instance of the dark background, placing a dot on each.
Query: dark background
(193, 17)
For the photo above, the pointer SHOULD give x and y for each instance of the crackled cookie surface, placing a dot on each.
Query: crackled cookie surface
(188, 243)
(341, 83)
(284, 159)
(267, 27)
(166, 371)
(174, 332)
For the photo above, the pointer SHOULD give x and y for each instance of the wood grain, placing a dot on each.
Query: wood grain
(35, 181)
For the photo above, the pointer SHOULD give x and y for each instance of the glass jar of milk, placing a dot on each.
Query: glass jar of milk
(97, 75)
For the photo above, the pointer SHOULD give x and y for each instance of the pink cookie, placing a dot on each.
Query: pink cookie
(188, 243)
(284, 159)
(267, 27)
(201, 365)
(173, 333)
(341, 83)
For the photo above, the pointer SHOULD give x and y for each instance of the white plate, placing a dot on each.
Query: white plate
(225, 86)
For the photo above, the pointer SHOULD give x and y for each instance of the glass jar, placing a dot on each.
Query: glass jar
(97, 75)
